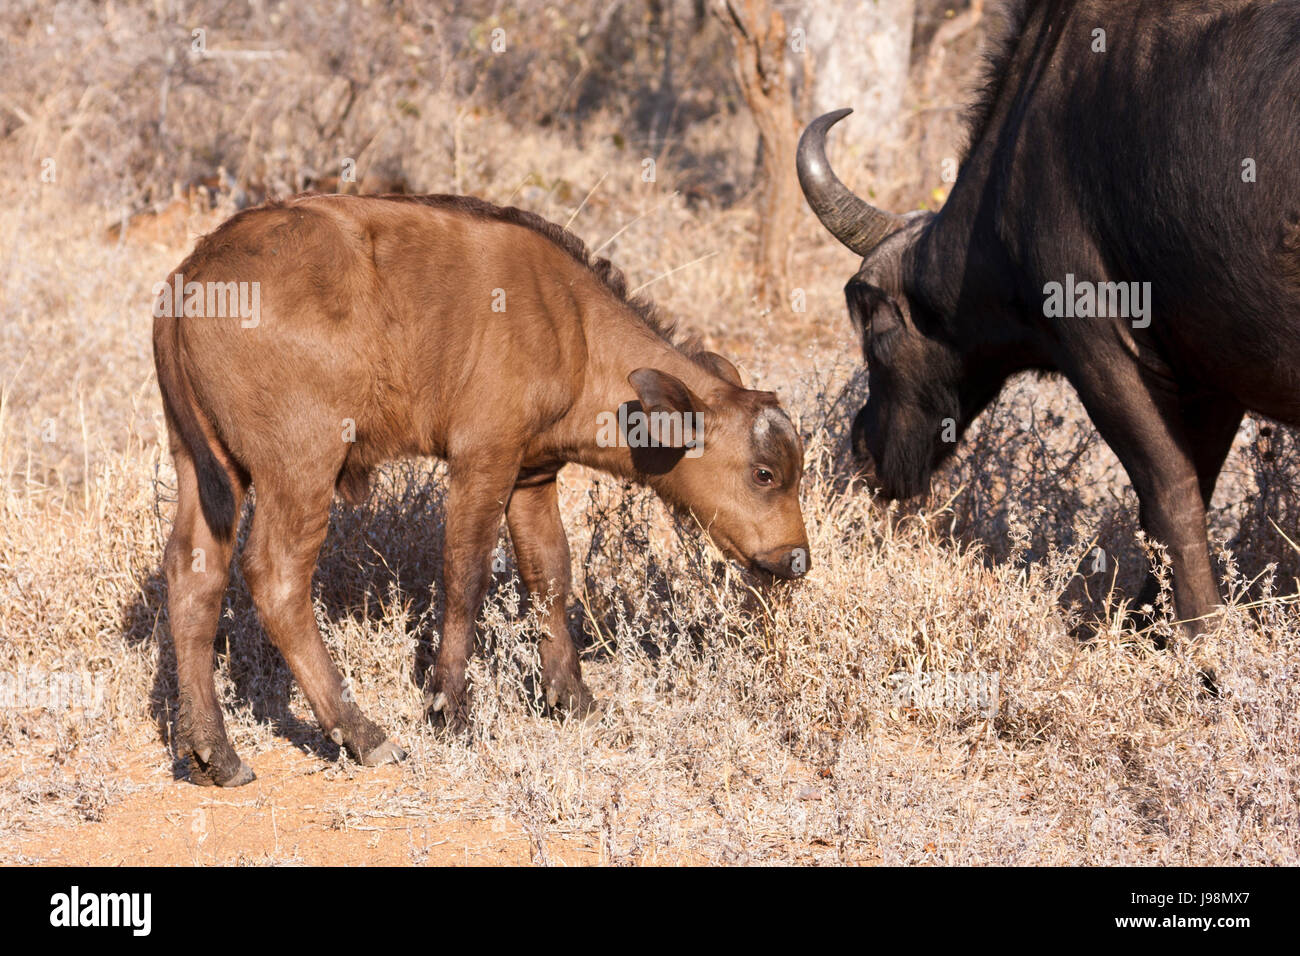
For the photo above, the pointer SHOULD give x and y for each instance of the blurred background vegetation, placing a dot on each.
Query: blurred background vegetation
(138, 102)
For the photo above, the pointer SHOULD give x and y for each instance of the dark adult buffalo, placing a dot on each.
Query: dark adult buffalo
(1128, 215)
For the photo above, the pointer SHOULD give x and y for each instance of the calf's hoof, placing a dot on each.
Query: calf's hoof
(444, 711)
(212, 775)
(387, 752)
(446, 704)
(364, 740)
(242, 776)
(569, 695)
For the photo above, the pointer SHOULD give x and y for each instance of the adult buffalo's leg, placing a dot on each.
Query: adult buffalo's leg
(542, 551)
(289, 525)
(1143, 422)
(1210, 423)
(476, 500)
(197, 566)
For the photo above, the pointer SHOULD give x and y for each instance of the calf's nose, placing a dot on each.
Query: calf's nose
(785, 562)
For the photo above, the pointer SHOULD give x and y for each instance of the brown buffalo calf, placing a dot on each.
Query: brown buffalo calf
(305, 342)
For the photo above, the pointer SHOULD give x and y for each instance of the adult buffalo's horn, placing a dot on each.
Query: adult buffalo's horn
(854, 222)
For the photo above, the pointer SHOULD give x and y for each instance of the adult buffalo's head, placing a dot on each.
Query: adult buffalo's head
(922, 394)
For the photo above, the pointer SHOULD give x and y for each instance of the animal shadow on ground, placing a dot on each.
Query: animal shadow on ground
(380, 570)
(380, 555)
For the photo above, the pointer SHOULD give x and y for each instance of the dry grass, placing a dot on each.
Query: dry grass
(744, 725)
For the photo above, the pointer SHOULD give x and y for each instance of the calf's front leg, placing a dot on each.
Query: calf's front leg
(542, 552)
(476, 500)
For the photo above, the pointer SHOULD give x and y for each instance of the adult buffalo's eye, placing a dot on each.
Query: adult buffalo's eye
(763, 476)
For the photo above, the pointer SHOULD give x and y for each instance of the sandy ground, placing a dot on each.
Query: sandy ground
(298, 810)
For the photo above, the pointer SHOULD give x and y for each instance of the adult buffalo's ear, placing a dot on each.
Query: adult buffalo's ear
(871, 310)
(720, 367)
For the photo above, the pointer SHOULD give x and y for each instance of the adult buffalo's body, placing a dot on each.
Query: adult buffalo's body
(304, 342)
(1158, 161)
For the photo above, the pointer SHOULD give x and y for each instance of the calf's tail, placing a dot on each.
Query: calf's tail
(216, 497)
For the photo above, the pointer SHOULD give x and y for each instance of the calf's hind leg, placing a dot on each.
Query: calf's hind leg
(197, 566)
(289, 525)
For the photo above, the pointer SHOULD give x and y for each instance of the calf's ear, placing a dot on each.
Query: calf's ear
(720, 367)
(658, 393)
(661, 392)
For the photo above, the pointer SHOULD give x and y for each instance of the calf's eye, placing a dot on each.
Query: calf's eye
(763, 476)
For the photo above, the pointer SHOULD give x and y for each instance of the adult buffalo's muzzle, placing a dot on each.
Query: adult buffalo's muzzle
(859, 436)
(862, 452)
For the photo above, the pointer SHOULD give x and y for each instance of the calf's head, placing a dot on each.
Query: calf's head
(922, 391)
(733, 461)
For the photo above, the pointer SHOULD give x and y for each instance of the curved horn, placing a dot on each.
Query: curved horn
(853, 221)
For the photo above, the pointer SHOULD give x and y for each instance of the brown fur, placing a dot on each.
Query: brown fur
(378, 338)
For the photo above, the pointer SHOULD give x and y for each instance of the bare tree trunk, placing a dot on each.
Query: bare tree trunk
(758, 33)
(862, 51)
